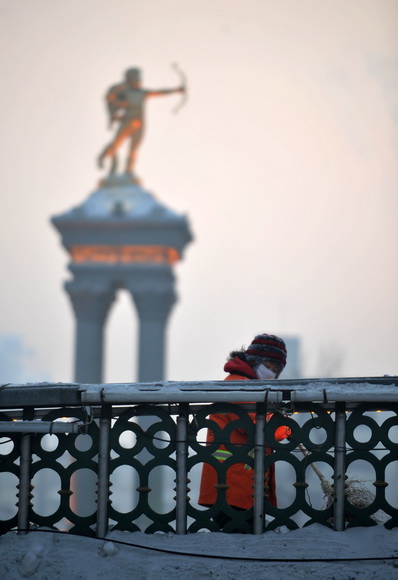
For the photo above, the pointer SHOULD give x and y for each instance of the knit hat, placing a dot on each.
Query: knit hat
(267, 348)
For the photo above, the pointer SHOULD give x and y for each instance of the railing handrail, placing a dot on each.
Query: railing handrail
(361, 389)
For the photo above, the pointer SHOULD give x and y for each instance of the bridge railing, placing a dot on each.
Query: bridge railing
(87, 458)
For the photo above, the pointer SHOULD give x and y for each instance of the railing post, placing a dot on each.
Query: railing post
(103, 471)
(24, 484)
(339, 468)
(181, 473)
(259, 468)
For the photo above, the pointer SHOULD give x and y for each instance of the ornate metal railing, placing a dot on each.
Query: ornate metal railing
(86, 458)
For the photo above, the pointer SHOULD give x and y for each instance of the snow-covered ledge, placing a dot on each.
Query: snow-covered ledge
(275, 391)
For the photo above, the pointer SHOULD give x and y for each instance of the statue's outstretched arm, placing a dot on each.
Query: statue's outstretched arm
(160, 92)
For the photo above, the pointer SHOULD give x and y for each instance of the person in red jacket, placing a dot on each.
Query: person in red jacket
(264, 359)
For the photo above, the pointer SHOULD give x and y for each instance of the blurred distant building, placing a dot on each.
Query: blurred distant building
(293, 369)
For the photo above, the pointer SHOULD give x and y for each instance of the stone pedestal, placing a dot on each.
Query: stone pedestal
(121, 237)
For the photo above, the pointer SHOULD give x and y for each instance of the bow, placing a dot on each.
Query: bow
(183, 80)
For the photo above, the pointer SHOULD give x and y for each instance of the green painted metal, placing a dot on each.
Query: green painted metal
(143, 443)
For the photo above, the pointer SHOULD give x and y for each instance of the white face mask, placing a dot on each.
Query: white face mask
(264, 373)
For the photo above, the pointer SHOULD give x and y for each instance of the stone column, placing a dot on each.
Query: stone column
(154, 306)
(91, 305)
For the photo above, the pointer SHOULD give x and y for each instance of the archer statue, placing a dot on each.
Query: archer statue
(125, 104)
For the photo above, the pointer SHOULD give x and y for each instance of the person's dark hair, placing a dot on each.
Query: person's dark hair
(239, 354)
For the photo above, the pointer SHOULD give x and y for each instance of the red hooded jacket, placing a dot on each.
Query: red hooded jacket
(240, 477)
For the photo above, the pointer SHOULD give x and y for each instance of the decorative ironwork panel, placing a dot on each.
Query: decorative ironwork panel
(144, 439)
(310, 444)
(9, 476)
(152, 468)
(372, 456)
(73, 457)
(296, 498)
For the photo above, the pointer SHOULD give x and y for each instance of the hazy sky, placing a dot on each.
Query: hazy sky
(284, 158)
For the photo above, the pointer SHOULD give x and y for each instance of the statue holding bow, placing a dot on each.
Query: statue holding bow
(125, 104)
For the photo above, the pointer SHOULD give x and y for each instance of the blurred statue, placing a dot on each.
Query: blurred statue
(125, 103)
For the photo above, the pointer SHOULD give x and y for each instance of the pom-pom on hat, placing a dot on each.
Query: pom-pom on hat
(268, 348)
